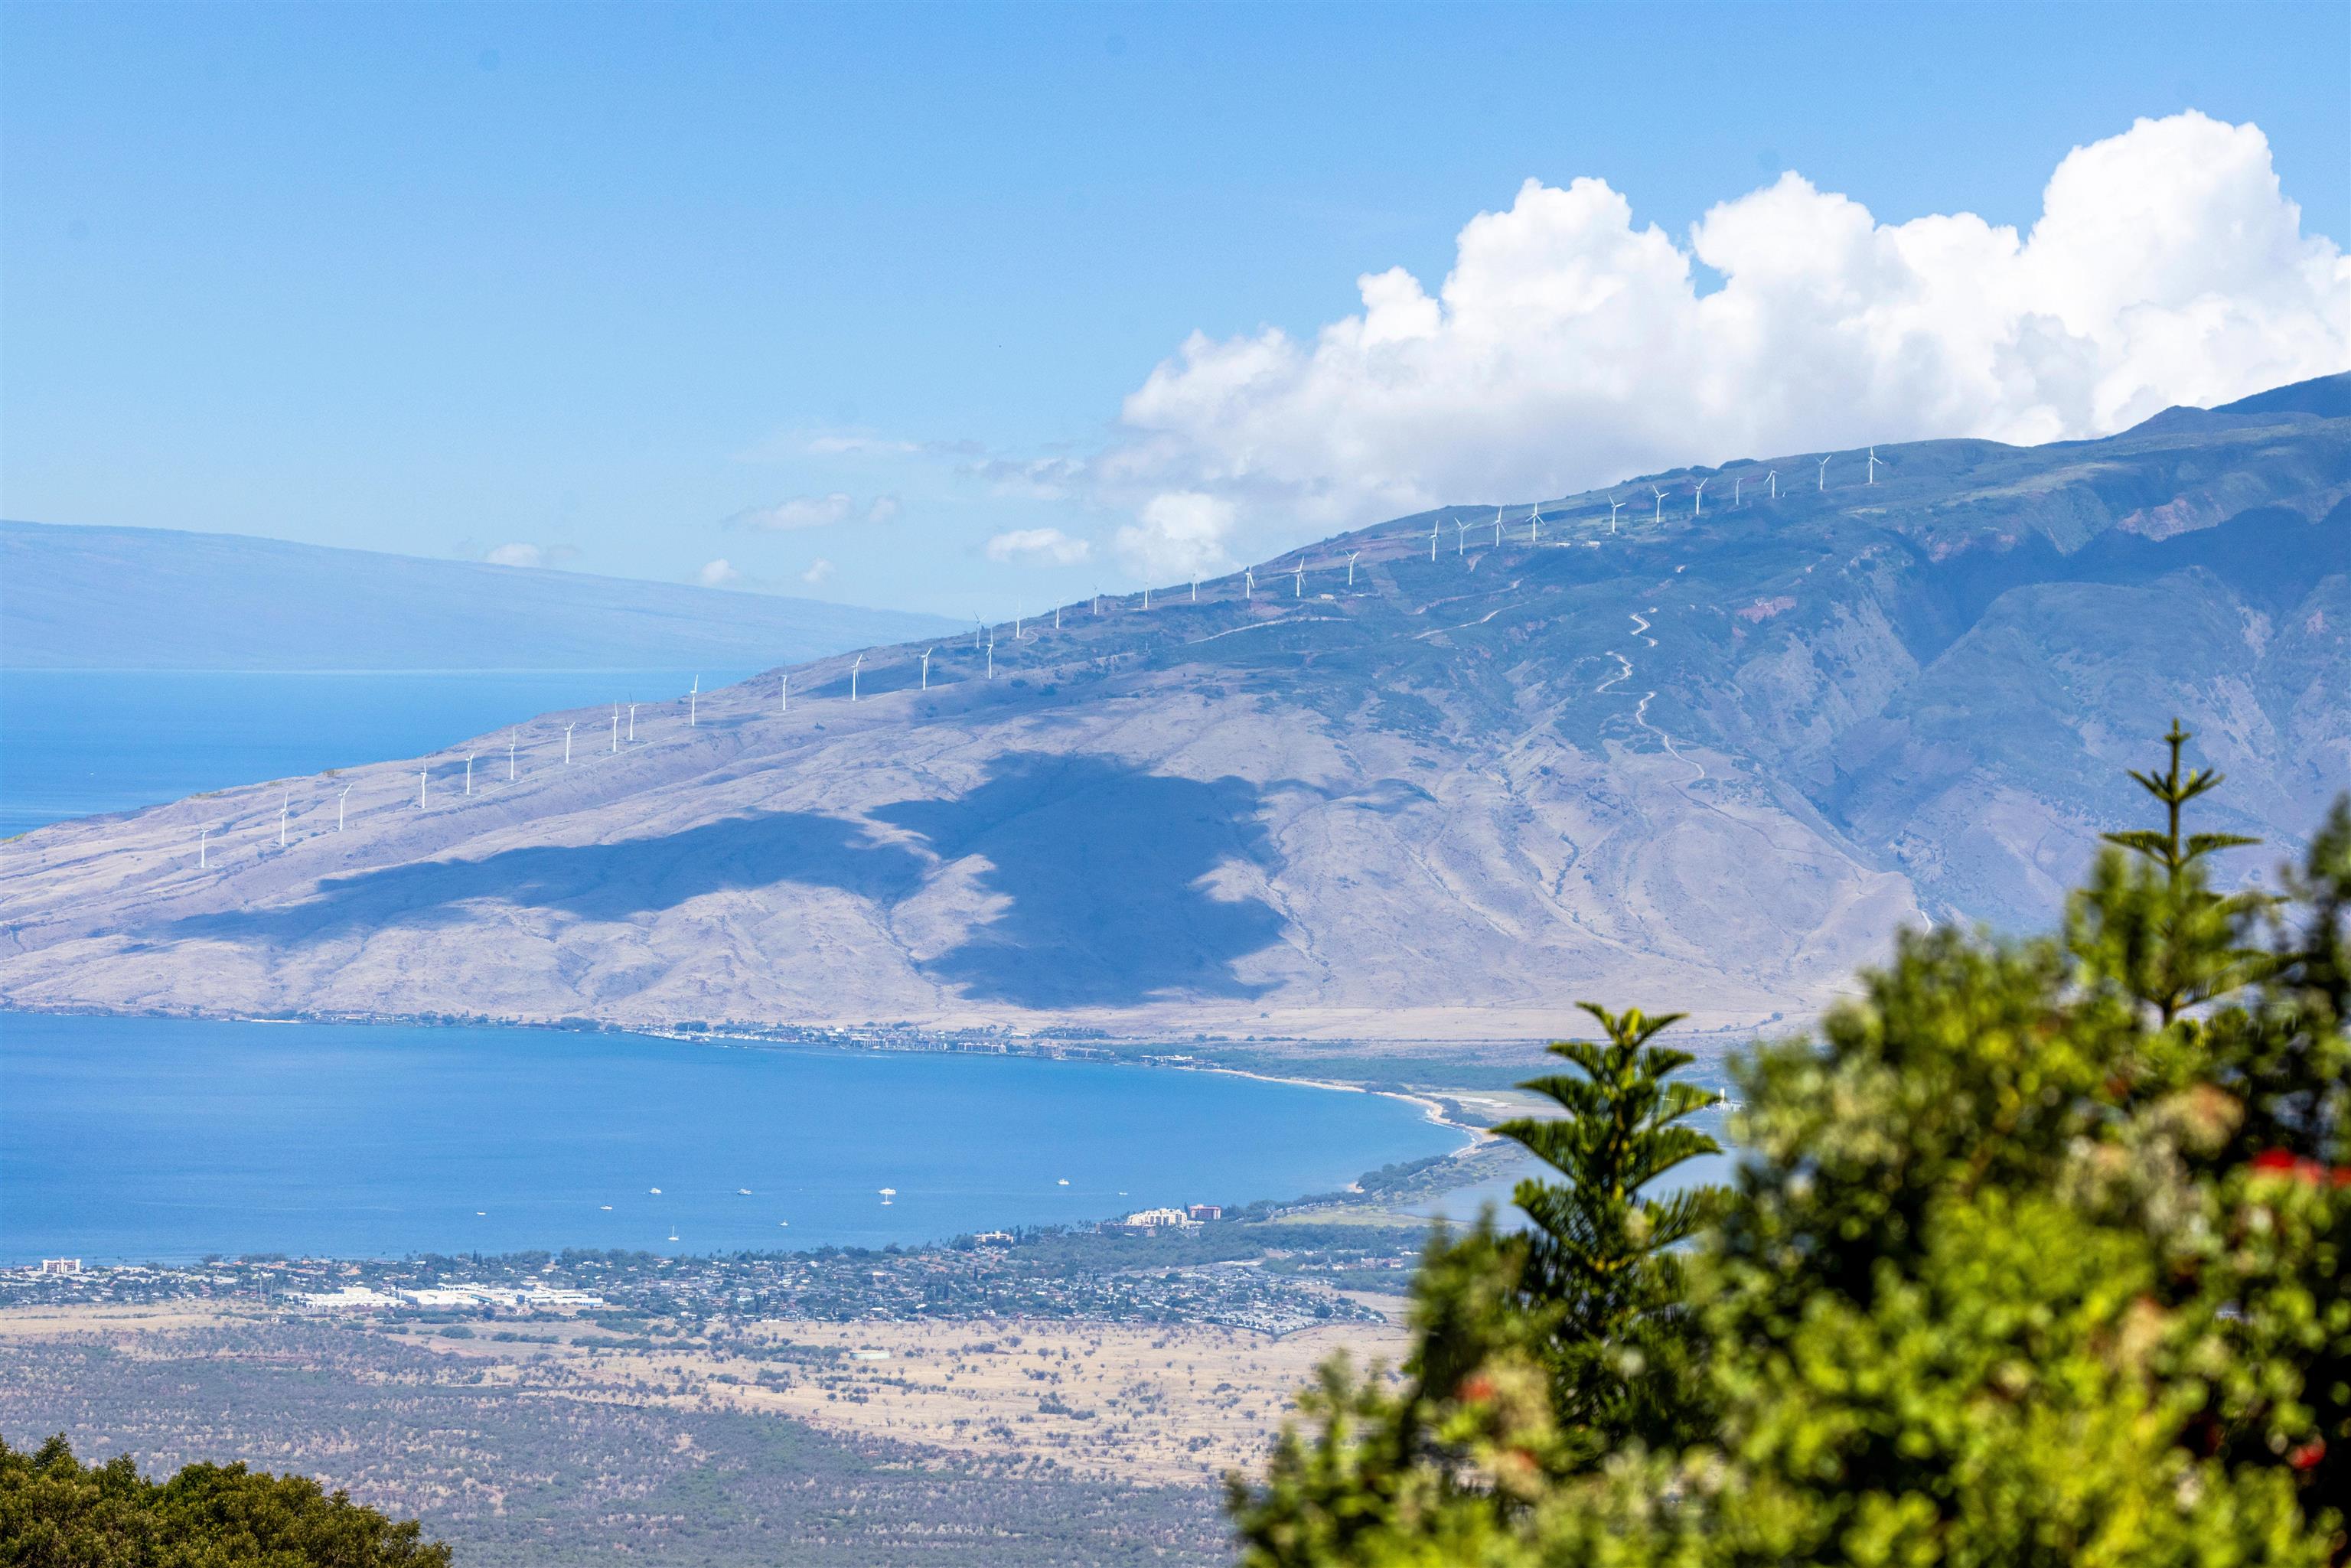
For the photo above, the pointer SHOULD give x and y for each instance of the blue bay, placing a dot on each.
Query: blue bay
(129, 1139)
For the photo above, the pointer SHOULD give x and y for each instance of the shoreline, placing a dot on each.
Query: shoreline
(1136, 1052)
(1438, 1105)
(1432, 1109)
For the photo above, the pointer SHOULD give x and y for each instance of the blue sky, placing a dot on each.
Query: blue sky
(590, 282)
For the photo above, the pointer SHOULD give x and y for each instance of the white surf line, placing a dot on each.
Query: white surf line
(1431, 1109)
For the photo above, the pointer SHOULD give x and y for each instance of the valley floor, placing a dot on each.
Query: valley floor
(1012, 1442)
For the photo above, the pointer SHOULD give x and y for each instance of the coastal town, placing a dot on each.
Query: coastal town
(1162, 1266)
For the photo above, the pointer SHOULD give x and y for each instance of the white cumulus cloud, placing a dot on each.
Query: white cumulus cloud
(820, 570)
(717, 573)
(1039, 544)
(514, 555)
(1568, 346)
(1180, 534)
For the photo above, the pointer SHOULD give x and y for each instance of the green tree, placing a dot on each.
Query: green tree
(1602, 1253)
(2036, 1255)
(1535, 1356)
(57, 1512)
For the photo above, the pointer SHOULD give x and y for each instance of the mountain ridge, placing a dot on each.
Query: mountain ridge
(85, 597)
(1708, 761)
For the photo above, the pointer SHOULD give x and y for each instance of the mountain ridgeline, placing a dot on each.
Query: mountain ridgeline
(154, 599)
(1706, 759)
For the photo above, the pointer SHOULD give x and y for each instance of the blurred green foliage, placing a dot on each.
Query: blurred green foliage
(57, 1512)
(2035, 1256)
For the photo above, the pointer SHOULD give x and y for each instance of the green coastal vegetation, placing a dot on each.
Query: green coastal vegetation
(2036, 1255)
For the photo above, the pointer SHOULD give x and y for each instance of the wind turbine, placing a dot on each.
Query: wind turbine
(1822, 482)
(616, 733)
(338, 807)
(1613, 504)
(1873, 467)
(1351, 568)
(1534, 524)
(693, 709)
(991, 656)
(1249, 583)
(1432, 544)
(1772, 474)
(1196, 588)
(566, 742)
(421, 774)
(632, 723)
(284, 807)
(1146, 596)
(784, 704)
(859, 662)
(1497, 527)
(1461, 539)
(926, 667)
(469, 773)
(1020, 613)
(1298, 590)
(510, 755)
(1056, 618)
(1735, 486)
(1660, 515)
(1699, 510)
(202, 858)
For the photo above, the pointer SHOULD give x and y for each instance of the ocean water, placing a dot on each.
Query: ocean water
(159, 1139)
(149, 1139)
(76, 743)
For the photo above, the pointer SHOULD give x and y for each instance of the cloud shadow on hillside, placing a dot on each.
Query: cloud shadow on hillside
(596, 882)
(1103, 865)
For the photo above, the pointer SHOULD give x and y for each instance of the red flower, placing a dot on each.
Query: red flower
(2311, 1173)
(2306, 1457)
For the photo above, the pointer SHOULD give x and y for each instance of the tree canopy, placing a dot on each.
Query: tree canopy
(2034, 1254)
(57, 1512)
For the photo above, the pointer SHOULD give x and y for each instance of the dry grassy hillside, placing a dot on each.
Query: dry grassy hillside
(1704, 760)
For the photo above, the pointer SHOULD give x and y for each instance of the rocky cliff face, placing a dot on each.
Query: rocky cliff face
(1706, 760)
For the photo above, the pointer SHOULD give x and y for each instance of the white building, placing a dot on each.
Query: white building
(351, 1299)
